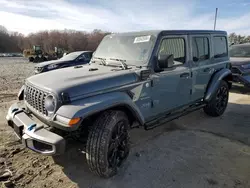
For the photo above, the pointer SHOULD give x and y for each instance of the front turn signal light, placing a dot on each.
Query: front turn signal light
(74, 121)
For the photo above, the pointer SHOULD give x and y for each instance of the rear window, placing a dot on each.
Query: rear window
(200, 49)
(220, 47)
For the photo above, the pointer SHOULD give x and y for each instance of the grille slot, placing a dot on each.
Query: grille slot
(35, 98)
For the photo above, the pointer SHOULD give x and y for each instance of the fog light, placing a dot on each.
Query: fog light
(39, 146)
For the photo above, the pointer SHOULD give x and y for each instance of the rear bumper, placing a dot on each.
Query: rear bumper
(34, 135)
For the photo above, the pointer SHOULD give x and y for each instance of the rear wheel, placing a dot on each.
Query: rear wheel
(31, 59)
(108, 143)
(219, 101)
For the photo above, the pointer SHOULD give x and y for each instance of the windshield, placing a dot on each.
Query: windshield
(71, 56)
(129, 48)
(240, 51)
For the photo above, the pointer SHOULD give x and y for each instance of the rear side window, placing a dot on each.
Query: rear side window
(175, 46)
(220, 47)
(200, 47)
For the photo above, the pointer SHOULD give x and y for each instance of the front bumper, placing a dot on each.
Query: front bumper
(34, 135)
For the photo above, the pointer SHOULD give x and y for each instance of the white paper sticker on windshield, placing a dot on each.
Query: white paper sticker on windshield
(142, 39)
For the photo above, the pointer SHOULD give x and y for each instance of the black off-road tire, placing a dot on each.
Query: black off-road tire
(44, 59)
(217, 106)
(31, 59)
(36, 59)
(101, 138)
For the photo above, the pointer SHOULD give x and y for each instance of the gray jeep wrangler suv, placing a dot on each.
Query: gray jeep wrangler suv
(136, 78)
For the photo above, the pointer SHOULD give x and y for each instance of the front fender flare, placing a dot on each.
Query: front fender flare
(214, 83)
(91, 105)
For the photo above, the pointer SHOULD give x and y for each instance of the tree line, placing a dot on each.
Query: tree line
(69, 40)
(233, 38)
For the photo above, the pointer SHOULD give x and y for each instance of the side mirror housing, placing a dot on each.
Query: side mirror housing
(165, 61)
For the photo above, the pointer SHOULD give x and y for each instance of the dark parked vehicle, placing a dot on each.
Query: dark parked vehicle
(69, 60)
(240, 60)
(134, 79)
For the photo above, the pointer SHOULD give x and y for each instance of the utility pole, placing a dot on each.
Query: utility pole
(215, 19)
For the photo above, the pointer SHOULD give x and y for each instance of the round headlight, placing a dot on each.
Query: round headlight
(50, 104)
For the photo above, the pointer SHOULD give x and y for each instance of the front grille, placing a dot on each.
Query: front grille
(35, 98)
(235, 70)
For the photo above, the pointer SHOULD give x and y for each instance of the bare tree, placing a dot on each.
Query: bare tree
(70, 40)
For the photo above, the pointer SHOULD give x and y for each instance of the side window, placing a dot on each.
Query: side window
(200, 47)
(86, 55)
(220, 47)
(81, 57)
(175, 46)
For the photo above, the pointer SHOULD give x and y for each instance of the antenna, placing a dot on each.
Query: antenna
(215, 18)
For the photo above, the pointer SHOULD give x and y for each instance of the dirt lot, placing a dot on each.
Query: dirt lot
(193, 151)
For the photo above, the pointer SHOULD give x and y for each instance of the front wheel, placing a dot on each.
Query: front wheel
(219, 101)
(108, 143)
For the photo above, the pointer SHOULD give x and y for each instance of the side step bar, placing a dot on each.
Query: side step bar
(171, 116)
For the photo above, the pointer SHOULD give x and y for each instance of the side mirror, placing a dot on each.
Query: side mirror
(165, 61)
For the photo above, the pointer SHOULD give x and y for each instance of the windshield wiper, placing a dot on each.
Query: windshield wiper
(103, 60)
(122, 61)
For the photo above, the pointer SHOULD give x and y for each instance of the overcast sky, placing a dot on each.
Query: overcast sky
(27, 16)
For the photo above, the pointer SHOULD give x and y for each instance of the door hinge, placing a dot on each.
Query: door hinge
(191, 74)
(191, 91)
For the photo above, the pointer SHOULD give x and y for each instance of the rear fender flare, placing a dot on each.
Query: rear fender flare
(215, 82)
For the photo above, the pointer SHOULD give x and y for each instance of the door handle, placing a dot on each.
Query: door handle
(184, 75)
(207, 70)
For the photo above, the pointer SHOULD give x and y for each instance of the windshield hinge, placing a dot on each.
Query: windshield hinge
(145, 74)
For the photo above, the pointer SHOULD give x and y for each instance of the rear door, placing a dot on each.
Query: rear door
(209, 54)
(202, 66)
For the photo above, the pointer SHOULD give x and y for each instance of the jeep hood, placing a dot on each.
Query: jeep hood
(83, 80)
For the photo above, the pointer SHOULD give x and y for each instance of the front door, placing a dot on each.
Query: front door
(202, 68)
(171, 86)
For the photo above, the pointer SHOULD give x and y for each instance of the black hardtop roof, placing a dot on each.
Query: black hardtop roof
(172, 32)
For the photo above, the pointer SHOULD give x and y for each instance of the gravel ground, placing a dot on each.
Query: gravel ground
(193, 151)
(13, 71)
